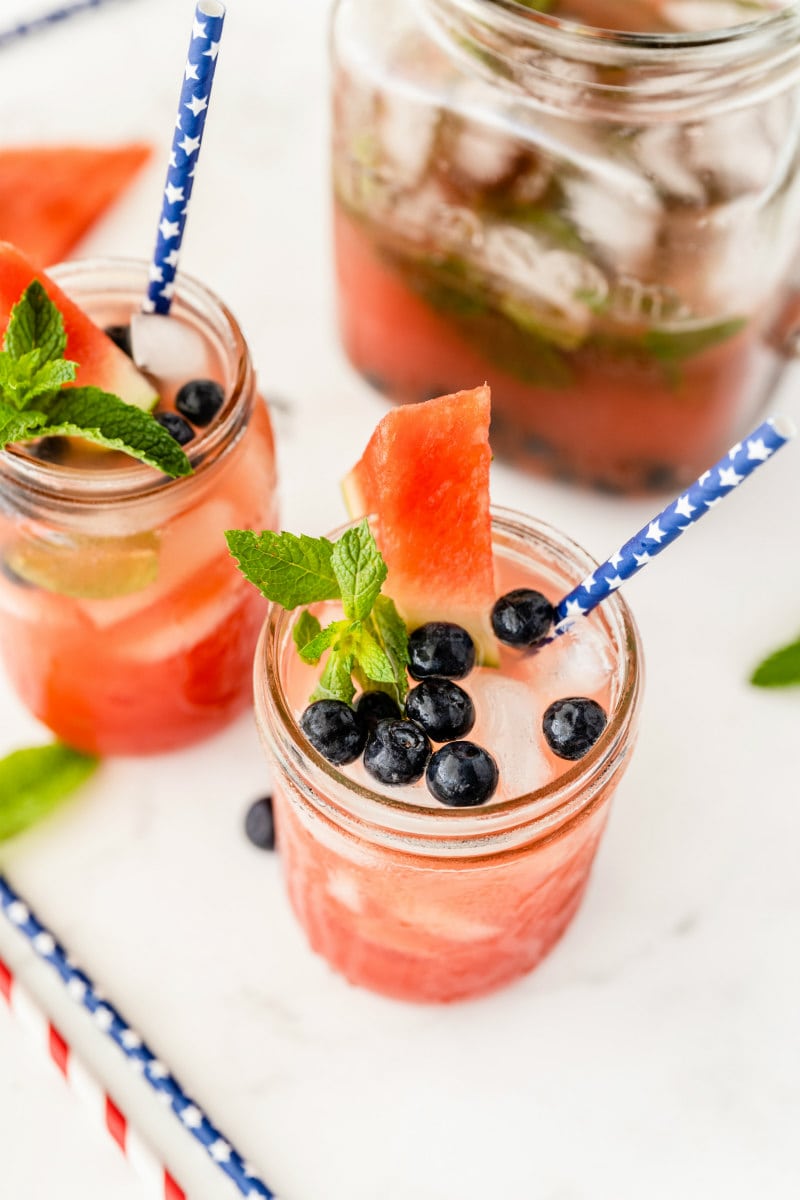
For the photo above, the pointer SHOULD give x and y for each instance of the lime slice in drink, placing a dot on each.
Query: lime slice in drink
(88, 568)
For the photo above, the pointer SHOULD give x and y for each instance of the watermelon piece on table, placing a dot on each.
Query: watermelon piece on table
(50, 196)
(100, 362)
(425, 477)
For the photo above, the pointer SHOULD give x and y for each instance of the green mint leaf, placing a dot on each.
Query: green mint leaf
(287, 569)
(36, 324)
(360, 570)
(35, 780)
(305, 629)
(99, 417)
(50, 377)
(371, 660)
(674, 346)
(313, 651)
(336, 680)
(781, 669)
(389, 631)
(16, 426)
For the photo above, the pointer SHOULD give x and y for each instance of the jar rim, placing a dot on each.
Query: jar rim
(576, 34)
(544, 807)
(137, 481)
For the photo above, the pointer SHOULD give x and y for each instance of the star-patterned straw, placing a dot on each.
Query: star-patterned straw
(703, 495)
(113, 1026)
(190, 122)
(46, 20)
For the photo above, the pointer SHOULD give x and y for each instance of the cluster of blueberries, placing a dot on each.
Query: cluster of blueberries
(397, 747)
(197, 402)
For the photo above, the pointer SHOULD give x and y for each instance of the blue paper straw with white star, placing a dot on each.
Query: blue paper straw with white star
(38, 24)
(703, 495)
(113, 1026)
(198, 77)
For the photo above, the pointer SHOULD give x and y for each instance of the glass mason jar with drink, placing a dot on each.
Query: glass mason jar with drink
(431, 903)
(595, 207)
(124, 626)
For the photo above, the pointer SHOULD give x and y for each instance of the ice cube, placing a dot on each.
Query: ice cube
(619, 216)
(695, 16)
(560, 279)
(661, 150)
(508, 717)
(168, 348)
(407, 130)
(732, 150)
(480, 154)
(343, 888)
(575, 664)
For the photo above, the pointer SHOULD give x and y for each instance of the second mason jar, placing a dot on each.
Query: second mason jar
(602, 225)
(124, 625)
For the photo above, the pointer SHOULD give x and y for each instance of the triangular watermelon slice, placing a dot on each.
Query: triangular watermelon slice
(50, 196)
(100, 362)
(425, 477)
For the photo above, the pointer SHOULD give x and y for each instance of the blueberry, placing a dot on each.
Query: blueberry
(121, 336)
(200, 400)
(376, 706)
(572, 726)
(397, 752)
(176, 426)
(462, 774)
(333, 729)
(440, 648)
(522, 617)
(51, 449)
(259, 824)
(442, 708)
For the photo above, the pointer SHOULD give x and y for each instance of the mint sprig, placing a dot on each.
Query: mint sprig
(369, 646)
(781, 669)
(36, 399)
(35, 780)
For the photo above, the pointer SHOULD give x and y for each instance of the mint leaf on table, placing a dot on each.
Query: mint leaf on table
(781, 669)
(35, 780)
(370, 643)
(360, 570)
(287, 569)
(108, 421)
(36, 324)
(35, 382)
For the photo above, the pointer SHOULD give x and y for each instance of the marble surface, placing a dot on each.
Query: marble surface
(656, 1052)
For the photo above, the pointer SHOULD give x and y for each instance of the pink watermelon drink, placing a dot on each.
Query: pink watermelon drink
(603, 226)
(123, 625)
(412, 889)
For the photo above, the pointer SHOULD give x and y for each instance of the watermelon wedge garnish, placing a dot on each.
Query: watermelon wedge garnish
(425, 477)
(50, 196)
(100, 362)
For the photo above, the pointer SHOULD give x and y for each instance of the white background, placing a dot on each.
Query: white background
(655, 1054)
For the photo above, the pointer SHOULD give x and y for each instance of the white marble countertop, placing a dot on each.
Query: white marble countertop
(655, 1053)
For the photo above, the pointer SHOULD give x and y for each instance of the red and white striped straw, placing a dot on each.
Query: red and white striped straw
(32, 1018)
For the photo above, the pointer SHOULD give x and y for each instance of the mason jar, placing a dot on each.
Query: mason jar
(124, 624)
(603, 225)
(426, 903)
